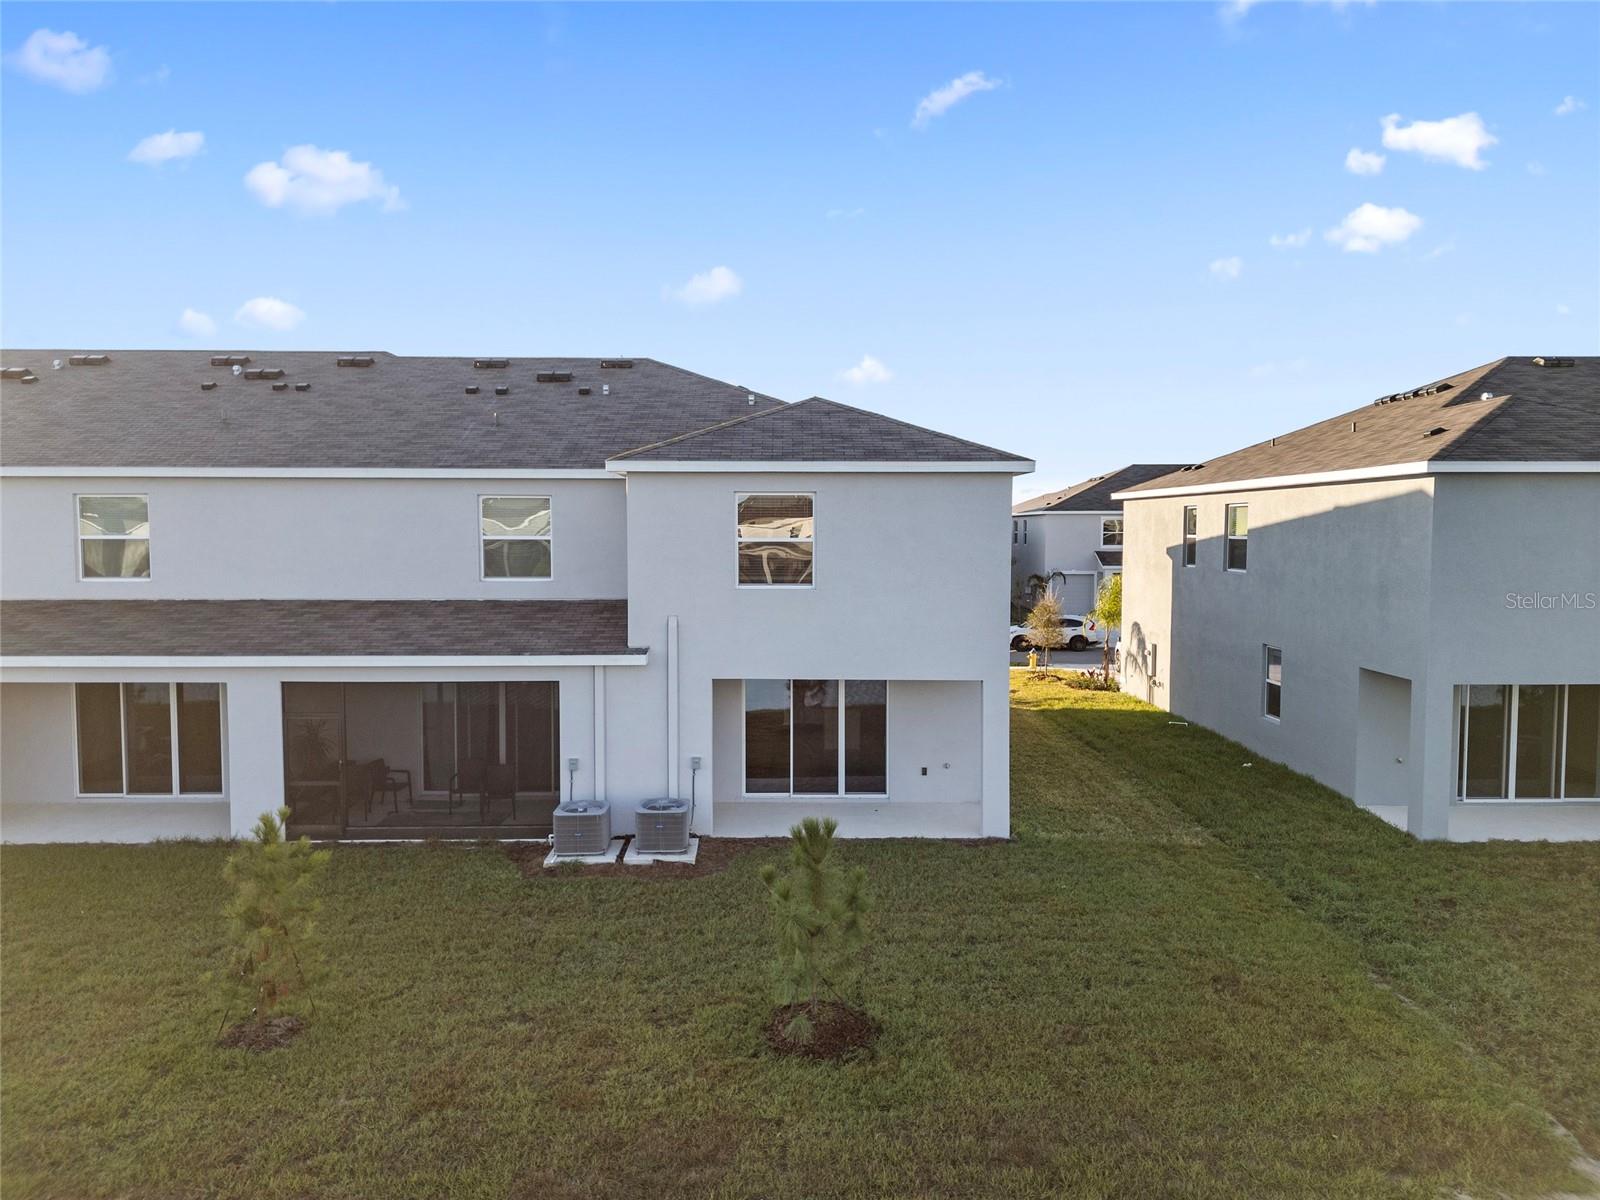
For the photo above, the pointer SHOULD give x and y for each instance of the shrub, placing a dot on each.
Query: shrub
(273, 954)
(1044, 625)
(819, 907)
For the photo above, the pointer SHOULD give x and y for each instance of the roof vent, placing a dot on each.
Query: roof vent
(501, 389)
(14, 372)
(605, 389)
(1435, 431)
(584, 391)
(264, 373)
(89, 360)
(55, 364)
(1544, 360)
(209, 385)
(616, 364)
(229, 360)
(237, 370)
(1193, 467)
(472, 389)
(490, 364)
(354, 360)
(553, 377)
(280, 387)
(302, 387)
(1486, 396)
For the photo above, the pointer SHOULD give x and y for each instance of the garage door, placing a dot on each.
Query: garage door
(1076, 592)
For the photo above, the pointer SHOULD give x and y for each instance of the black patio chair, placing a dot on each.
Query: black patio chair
(387, 781)
(499, 783)
(467, 781)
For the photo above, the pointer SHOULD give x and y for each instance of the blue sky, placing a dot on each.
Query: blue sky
(1068, 255)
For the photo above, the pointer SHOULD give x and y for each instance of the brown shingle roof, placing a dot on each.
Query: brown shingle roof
(1533, 413)
(816, 430)
(248, 628)
(1094, 495)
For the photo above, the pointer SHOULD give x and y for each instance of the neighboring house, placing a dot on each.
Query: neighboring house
(1402, 601)
(1072, 539)
(413, 596)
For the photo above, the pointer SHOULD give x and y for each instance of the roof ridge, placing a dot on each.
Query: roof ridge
(781, 406)
(907, 424)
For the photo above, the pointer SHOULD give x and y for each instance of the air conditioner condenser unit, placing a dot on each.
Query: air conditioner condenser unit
(661, 827)
(581, 827)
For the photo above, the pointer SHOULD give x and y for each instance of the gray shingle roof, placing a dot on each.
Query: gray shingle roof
(235, 628)
(145, 408)
(1533, 414)
(1094, 495)
(816, 430)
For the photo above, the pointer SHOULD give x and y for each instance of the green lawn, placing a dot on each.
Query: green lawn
(1182, 978)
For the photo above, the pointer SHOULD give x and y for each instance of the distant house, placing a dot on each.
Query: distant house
(1402, 601)
(1072, 539)
(412, 597)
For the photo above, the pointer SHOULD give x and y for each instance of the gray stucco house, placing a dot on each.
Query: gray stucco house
(411, 596)
(1071, 540)
(1402, 601)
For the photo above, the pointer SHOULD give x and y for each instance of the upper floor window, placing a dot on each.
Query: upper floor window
(1272, 684)
(114, 537)
(1024, 531)
(149, 739)
(1237, 536)
(1110, 533)
(776, 536)
(516, 536)
(1015, 527)
(1191, 533)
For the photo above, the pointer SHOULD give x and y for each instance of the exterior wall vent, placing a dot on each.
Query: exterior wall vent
(89, 360)
(1545, 360)
(354, 360)
(553, 377)
(264, 373)
(616, 364)
(229, 360)
(490, 364)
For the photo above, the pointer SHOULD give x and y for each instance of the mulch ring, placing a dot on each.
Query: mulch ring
(260, 1036)
(713, 856)
(838, 1032)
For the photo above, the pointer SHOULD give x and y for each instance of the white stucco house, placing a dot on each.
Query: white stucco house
(434, 596)
(1402, 601)
(1071, 540)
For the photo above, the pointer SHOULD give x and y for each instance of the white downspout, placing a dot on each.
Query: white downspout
(599, 758)
(672, 707)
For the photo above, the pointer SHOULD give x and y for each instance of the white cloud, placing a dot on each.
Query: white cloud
(164, 147)
(1368, 229)
(708, 287)
(1234, 10)
(313, 180)
(268, 312)
(1363, 162)
(1454, 139)
(1289, 241)
(64, 60)
(868, 370)
(941, 100)
(1227, 268)
(1569, 105)
(845, 214)
(195, 323)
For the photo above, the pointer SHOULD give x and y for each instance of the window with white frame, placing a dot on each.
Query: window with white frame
(776, 535)
(515, 531)
(815, 737)
(1024, 531)
(1528, 741)
(114, 537)
(1110, 533)
(148, 739)
(1191, 533)
(1272, 683)
(1236, 537)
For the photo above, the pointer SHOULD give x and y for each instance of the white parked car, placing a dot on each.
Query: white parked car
(1081, 633)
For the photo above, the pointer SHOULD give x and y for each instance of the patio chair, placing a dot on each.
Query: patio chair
(499, 783)
(387, 781)
(468, 780)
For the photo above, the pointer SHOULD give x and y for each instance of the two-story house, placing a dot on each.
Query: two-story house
(1071, 540)
(433, 596)
(1402, 601)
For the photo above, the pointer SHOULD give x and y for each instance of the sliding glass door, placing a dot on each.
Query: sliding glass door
(1528, 741)
(815, 737)
(467, 727)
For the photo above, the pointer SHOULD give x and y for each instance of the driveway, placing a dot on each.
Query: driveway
(1080, 659)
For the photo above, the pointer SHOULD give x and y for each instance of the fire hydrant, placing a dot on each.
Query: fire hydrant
(1033, 660)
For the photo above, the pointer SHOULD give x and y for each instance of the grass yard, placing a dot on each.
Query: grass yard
(1182, 978)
